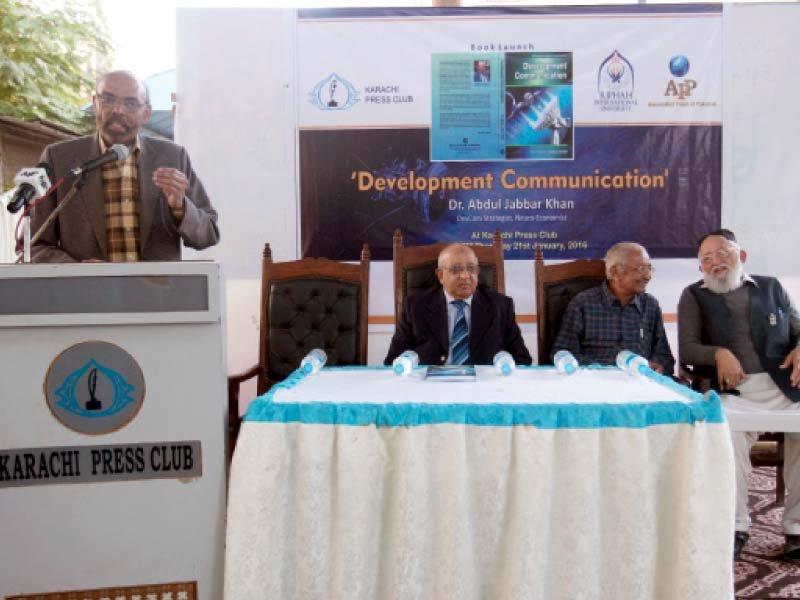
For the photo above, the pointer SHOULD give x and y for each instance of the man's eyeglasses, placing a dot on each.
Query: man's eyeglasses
(458, 269)
(128, 104)
(643, 269)
(721, 254)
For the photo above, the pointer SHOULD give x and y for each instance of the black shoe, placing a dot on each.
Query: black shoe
(739, 540)
(791, 549)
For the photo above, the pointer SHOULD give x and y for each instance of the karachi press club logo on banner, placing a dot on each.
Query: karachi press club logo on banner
(615, 84)
(333, 93)
(94, 387)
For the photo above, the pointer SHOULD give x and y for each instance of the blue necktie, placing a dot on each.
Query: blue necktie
(459, 341)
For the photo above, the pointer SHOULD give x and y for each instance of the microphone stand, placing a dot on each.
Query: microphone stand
(77, 184)
(26, 235)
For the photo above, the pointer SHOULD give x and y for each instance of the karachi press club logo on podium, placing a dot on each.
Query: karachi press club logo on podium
(94, 387)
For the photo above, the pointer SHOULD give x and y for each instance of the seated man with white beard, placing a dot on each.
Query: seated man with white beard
(748, 329)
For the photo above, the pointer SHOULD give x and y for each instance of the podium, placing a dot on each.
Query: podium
(112, 430)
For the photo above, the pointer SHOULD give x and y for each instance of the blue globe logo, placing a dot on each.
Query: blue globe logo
(679, 65)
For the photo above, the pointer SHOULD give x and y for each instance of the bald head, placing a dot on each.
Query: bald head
(628, 270)
(121, 107)
(459, 249)
(144, 92)
(458, 270)
(622, 253)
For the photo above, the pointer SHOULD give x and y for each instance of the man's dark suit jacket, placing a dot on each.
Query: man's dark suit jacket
(493, 327)
(79, 231)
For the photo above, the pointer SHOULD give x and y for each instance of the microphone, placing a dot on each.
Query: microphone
(113, 154)
(31, 183)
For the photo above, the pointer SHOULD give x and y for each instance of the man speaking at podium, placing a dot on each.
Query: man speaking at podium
(137, 208)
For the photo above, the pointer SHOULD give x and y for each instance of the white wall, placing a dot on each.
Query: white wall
(236, 115)
(761, 133)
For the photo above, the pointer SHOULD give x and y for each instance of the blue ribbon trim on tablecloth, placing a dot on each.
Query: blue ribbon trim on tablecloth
(699, 408)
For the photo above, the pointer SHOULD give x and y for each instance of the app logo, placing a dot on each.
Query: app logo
(94, 387)
(333, 93)
(615, 84)
(679, 67)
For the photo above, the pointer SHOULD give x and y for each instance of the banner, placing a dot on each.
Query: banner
(569, 128)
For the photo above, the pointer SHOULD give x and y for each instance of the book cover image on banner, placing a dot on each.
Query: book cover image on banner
(538, 96)
(466, 109)
(514, 105)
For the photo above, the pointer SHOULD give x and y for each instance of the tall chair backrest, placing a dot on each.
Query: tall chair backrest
(311, 303)
(556, 285)
(415, 268)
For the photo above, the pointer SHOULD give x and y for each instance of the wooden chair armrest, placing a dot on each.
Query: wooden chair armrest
(239, 378)
(695, 377)
(234, 421)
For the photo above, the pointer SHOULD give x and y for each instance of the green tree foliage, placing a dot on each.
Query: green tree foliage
(48, 54)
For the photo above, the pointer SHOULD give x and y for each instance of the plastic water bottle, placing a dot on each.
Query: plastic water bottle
(313, 361)
(504, 363)
(405, 363)
(565, 362)
(631, 362)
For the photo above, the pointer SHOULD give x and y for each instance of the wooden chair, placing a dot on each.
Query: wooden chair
(768, 452)
(556, 285)
(768, 449)
(415, 268)
(305, 304)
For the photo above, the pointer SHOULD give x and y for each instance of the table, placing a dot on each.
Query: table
(356, 483)
(762, 420)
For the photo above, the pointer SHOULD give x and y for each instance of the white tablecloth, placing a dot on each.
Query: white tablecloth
(354, 483)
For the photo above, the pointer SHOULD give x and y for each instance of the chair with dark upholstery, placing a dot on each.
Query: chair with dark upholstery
(305, 304)
(768, 449)
(556, 285)
(415, 268)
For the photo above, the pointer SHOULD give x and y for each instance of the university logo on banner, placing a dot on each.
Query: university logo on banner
(615, 81)
(333, 93)
(94, 387)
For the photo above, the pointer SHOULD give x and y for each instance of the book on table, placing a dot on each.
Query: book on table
(450, 373)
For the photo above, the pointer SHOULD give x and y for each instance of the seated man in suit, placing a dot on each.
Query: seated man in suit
(747, 330)
(617, 315)
(458, 323)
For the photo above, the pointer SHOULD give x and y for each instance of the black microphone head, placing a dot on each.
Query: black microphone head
(120, 150)
(22, 196)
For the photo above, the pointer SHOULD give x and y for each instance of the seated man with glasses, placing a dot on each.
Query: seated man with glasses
(617, 315)
(747, 330)
(138, 208)
(458, 323)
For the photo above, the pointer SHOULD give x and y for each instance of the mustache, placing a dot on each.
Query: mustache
(117, 120)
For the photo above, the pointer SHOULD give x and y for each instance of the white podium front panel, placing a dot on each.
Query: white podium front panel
(140, 502)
